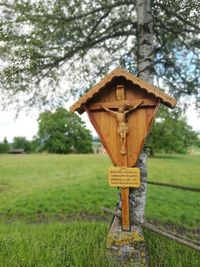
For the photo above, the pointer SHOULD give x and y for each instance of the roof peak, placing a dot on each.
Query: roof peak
(118, 72)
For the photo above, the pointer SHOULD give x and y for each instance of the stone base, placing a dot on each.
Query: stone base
(126, 246)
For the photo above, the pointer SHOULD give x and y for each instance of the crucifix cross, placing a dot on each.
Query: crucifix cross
(120, 108)
(122, 125)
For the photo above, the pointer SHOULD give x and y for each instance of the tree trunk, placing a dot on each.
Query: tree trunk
(146, 72)
(145, 47)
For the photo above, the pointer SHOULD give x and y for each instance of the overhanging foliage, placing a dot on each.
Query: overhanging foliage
(50, 49)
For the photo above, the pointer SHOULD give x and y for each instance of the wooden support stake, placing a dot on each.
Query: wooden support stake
(125, 209)
(125, 204)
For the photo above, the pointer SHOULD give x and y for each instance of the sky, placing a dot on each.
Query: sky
(26, 124)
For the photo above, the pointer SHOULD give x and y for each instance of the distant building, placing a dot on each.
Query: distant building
(16, 151)
(97, 146)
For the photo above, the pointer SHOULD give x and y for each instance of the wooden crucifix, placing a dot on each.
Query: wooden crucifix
(122, 129)
(122, 124)
(122, 108)
(119, 113)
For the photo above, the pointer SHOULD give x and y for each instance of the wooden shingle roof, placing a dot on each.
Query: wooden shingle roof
(119, 72)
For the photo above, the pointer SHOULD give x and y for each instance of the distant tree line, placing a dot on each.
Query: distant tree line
(171, 133)
(4, 146)
(19, 142)
(63, 132)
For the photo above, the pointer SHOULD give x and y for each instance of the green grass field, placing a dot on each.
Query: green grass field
(50, 209)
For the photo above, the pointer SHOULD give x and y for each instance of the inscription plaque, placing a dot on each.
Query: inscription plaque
(124, 177)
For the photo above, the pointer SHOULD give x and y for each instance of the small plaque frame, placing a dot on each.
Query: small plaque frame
(123, 177)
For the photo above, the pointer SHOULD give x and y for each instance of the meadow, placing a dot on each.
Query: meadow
(51, 209)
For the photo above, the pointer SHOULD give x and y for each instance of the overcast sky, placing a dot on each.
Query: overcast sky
(26, 125)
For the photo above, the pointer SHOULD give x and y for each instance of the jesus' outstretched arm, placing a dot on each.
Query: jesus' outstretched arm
(109, 110)
(134, 107)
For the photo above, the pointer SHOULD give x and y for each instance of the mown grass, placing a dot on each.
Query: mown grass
(38, 187)
(176, 169)
(52, 189)
(49, 185)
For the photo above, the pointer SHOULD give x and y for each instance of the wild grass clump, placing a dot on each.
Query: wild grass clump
(56, 244)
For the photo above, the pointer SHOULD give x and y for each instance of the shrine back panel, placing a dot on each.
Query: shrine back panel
(122, 116)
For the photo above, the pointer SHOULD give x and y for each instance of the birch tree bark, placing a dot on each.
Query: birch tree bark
(146, 72)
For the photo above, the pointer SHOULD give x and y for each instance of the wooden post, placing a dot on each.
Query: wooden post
(125, 209)
(126, 226)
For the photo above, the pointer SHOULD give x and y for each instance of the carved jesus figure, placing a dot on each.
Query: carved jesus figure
(122, 125)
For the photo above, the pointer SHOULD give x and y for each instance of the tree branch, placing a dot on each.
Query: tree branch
(98, 23)
(176, 15)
